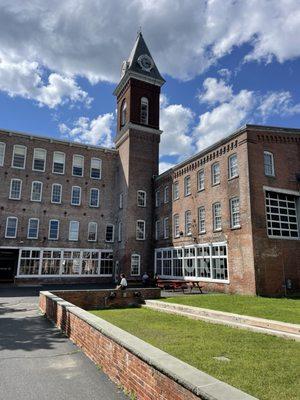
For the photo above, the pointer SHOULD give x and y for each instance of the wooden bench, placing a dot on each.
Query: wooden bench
(169, 284)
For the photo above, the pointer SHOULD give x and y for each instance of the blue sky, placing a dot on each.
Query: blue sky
(225, 64)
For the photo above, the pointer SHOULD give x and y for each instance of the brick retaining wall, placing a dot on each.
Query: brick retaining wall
(137, 366)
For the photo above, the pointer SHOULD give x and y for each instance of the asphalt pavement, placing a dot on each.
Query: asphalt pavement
(37, 362)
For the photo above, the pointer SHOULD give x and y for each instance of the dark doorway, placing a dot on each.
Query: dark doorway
(8, 264)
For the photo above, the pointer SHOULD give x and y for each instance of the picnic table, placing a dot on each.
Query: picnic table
(173, 284)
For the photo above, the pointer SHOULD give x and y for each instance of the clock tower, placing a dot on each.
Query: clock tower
(137, 142)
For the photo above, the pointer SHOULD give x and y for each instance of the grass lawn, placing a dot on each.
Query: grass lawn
(286, 310)
(265, 366)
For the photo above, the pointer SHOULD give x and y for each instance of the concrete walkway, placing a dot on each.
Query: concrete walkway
(37, 362)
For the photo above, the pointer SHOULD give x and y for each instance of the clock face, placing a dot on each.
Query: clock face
(145, 62)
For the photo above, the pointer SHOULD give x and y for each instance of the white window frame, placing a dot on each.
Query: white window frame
(144, 102)
(201, 219)
(44, 159)
(10, 189)
(98, 198)
(215, 176)
(73, 165)
(166, 194)
(13, 156)
(37, 229)
(100, 168)
(269, 153)
(77, 231)
(157, 229)
(214, 209)
(56, 202)
(113, 233)
(157, 198)
(140, 230)
(200, 182)
(72, 203)
(187, 231)
(187, 186)
(64, 163)
(138, 259)
(121, 201)
(123, 113)
(175, 190)
(176, 226)
(120, 229)
(231, 174)
(96, 231)
(49, 226)
(233, 213)
(141, 198)
(16, 228)
(41, 192)
(2, 159)
(166, 228)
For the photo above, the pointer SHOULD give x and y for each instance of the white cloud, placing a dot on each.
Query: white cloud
(90, 38)
(164, 166)
(224, 118)
(215, 91)
(25, 79)
(175, 121)
(97, 131)
(278, 103)
(225, 73)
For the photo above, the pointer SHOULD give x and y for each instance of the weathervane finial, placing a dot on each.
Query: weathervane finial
(139, 32)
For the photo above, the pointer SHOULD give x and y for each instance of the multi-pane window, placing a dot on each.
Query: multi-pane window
(217, 218)
(166, 194)
(166, 228)
(19, 156)
(207, 261)
(201, 219)
(53, 229)
(281, 212)
(121, 199)
(175, 190)
(144, 110)
(135, 264)
(78, 164)
(11, 227)
(36, 191)
(94, 197)
(51, 260)
(73, 230)
(2, 153)
(188, 223)
(92, 231)
(109, 235)
(187, 185)
(120, 229)
(123, 113)
(201, 179)
(58, 166)
(39, 160)
(140, 230)
(235, 212)
(96, 168)
(76, 196)
(56, 193)
(157, 230)
(33, 228)
(141, 198)
(15, 189)
(215, 173)
(269, 164)
(176, 225)
(233, 166)
(157, 198)
(29, 262)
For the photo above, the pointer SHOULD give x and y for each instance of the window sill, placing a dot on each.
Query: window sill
(215, 184)
(217, 230)
(187, 195)
(140, 240)
(202, 233)
(270, 176)
(234, 228)
(14, 199)
(201, 190)
(177, 198)
(233, 177)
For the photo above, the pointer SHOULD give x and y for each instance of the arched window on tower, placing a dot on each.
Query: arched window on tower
(144, 110)
(123, 113)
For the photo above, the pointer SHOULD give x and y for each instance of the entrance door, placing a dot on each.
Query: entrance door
(8, 264)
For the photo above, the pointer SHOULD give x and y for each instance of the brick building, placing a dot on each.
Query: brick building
(228, 216)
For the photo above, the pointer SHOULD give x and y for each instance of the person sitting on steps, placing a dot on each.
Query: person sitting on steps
(123, 283)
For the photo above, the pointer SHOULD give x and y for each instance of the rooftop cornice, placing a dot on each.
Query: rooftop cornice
(143, 78)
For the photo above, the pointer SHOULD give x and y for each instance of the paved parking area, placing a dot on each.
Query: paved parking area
(37, 362)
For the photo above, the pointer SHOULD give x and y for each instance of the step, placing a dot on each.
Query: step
(277, 328)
